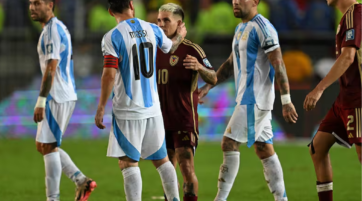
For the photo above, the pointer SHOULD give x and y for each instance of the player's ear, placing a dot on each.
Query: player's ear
(110, 12)
(179, 22)
(131, 5)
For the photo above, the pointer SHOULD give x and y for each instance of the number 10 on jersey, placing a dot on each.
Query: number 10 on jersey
(162, 76)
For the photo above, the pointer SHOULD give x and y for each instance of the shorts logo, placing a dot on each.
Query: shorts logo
(350, 135)
(228, 130)
(350, 35)
(173, 60)
(49, 49)
(186, 138)
(207, 63)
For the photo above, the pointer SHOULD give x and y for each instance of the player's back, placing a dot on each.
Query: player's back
(349, 35)
(254, 74)
(55, 43)
(134, 42)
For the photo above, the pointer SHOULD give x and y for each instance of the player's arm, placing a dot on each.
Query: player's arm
(108, 77)
(339, 68)
(223, 73)
(207, 74)
(276, 59)
(46, 85)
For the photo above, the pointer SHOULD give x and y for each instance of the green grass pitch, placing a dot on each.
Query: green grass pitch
(22, 173)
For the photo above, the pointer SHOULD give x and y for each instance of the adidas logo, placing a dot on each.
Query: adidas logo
(350, 135)
(186, 138)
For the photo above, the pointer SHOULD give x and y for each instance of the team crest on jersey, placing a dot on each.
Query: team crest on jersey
(173, 60)
(49, 48)
(350, 35)
(245, 35)
(338, 29)
(239, 35)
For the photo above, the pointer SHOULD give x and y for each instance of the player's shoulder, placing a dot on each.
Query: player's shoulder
(353, 13)
(193, 46)
(54, 27)
(261, 23)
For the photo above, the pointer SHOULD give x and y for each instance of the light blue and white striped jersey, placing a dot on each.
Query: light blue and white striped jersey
(134, 42)
(55, 43)
(254, 74)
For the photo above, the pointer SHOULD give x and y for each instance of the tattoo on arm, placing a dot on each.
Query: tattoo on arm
(176, 41)
(276, 59)
(208, 75)
(225, 70)
(47, 80)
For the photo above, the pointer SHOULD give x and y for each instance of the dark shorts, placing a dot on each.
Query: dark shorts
(177, 139)
(344, 124)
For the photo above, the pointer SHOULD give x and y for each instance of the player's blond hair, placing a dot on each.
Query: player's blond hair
(173, 8)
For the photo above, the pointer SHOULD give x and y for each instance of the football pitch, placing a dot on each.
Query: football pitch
(22, 173)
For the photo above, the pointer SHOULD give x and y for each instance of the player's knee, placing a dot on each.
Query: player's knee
(228, 144)
(125, 162)
(263, 150)
(46, 148)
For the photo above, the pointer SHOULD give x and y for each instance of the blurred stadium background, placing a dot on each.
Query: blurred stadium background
(307, 36)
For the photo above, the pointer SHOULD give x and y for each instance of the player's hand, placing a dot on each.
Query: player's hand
(182, 30)
(39, 114)
(290, 114)
(99, 118)
(203, 91)
(312, 98)
(192, 63)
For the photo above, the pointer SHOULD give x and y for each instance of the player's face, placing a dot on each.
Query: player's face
(332, 2)
(242, 8)
(38, 9)
(168, 23)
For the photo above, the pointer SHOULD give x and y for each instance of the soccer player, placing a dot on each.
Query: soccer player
(255, 60)
(137, 130)
(177, 88)
(56, 101)
(342, 123)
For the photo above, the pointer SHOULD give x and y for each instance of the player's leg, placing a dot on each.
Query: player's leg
(229, 168)
(185, 158)
(154, 149)
(319, 151)
(170, 153)
(273, 171)
(125, 143)
(359, 151)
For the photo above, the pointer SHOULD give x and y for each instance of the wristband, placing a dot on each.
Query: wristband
(286, 99)
(41, 102)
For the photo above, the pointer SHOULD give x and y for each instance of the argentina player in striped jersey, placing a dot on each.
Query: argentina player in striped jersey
(137, 130)
(56, 101)
(255, 60)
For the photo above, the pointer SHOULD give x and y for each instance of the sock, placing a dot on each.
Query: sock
(169, 181)
(70, 169)
(325, 191)
(190, 198)
(273, 173)
(132, 183)
(228, 171)
(53, 172)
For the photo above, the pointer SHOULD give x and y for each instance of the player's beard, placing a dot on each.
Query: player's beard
(40, 17)
(240, 14)
(332, 2)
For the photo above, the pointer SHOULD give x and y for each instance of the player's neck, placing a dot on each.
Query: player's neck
(123, 16)
(47, 20)
(250, 16)
(344, 5)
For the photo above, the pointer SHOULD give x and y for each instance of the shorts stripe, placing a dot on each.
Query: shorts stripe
(159, 154)
(251, 124)
(53, 124)
(358, 123)
(130, 151)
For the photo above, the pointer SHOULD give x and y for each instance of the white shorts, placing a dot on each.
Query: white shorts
(55, 122)
(137, 139)
(249, 124)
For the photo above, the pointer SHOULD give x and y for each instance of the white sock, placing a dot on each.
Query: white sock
(169, 181)
(132, 183)
(227, 174)
(273, 173)
(53, 172)
(70, 169)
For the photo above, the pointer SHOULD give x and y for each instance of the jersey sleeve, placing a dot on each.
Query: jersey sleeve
(268, 36)
(110, 55)
(201, 56)
(353, 29)
(52, 42)
(163, 42)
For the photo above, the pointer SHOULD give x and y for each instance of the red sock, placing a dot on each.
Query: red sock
(165, 197)
(190, 198)
(325, 191)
